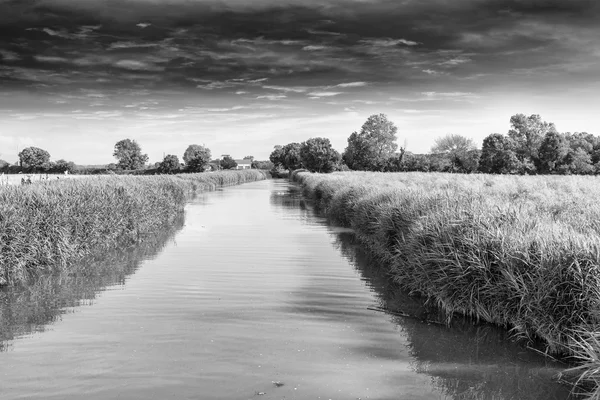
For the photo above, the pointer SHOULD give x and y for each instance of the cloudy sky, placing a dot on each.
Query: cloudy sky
(241, 76)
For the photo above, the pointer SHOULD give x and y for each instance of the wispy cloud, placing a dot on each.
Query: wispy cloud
(324, 94)
(272, 97)
(388, 42)
(351, 84)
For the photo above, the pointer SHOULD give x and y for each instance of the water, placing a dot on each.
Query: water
(254, 289)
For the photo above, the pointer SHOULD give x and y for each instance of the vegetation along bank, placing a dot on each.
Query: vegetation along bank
(46, 227)
(522, 252)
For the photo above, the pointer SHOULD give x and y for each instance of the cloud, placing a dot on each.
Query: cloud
(135, 65)
(8, 55)
(51, 59)
(143, 25)
(272, 97)
(351, 84)
(285, 89)
(387, 42)
(314, 47)
(132, 45)
(324, 94)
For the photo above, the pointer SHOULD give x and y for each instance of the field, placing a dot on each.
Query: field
(15, 179)
(46, 227)
(522, 252)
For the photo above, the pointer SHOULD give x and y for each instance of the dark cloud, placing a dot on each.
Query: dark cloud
(306, 43)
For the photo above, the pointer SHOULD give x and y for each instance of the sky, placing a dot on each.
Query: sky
(240, 76)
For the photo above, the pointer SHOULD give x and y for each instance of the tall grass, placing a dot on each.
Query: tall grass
(520, 252)
(46, 227)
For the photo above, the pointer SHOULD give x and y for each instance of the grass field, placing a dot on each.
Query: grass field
(47, 226)
(522, 252)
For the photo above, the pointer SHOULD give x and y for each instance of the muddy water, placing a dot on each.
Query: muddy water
(253, 290)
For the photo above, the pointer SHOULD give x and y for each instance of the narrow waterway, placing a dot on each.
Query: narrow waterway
(254, 297)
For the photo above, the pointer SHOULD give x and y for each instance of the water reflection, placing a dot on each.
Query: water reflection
(28, 309)
(465, 361)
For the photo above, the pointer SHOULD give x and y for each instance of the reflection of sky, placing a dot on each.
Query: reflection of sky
(240, 77)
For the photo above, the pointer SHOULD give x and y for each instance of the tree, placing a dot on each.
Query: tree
(276, 156)
(34, 158)
(290, 156)
(498, 155)
(373, 146)
(129, 154)
(251, 158)
(528, 133)
(552, 152)
(228, 163)
(317, 155)
(196, 157)
(62, 166)
(459, 151)
(577, 162)
(268, 165)
(169, 165)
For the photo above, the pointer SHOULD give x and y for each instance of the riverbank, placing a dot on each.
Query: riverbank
(46, 227)
(520, 252)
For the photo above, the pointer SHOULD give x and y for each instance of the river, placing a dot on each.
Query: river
(254, 296)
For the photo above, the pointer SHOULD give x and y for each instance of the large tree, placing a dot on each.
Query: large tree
(196, 157)
(276, 156)
(527, 134)
(317, 155)
(373, 146)
(129, 154)
(34, 158)
(552, 152)
(498, 155)
(287, 157)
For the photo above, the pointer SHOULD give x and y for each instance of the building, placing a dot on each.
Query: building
(243, 164)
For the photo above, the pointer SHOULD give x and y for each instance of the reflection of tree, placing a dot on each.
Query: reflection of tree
(28, 309)
(290, 198)
(467, 360)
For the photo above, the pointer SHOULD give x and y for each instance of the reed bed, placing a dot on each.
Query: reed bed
(46, 227)
(522, 252)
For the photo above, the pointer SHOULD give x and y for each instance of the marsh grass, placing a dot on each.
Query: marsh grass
(520, 252)
(47, 227)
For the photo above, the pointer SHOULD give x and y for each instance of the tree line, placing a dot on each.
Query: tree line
(130, 158)
(531, 146)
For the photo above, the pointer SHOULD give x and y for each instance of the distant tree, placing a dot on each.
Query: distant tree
(62, 166)
(129, 154)
(169, 165)
(268, 165)
(196, 157)
(317, 155)
(228, 163)
(498, 155)
(251, 158)
(373, 146)
(577, 162)
(4, 165)
(34, 158)
(290, 157)
(584, 152)
(527, 134)
(552, 152)
(459, 151)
